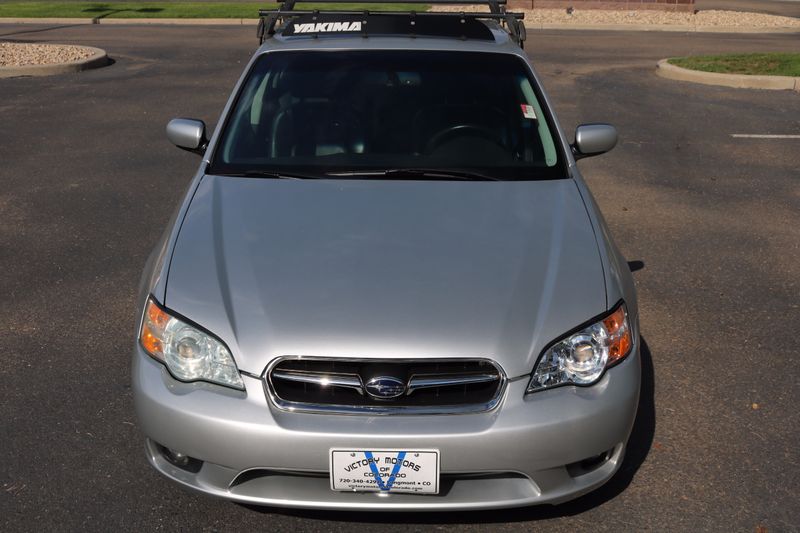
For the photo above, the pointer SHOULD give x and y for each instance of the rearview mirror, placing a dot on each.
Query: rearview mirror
(188, 134)
(593, 139)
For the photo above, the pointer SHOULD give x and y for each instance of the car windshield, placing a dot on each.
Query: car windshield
(389, 114)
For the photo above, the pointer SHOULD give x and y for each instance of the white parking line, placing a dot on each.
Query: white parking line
(761, 136)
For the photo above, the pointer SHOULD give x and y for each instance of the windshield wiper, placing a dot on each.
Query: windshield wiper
(279, 175)
(420, 173)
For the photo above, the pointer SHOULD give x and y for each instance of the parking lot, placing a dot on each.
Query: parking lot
(89, 182)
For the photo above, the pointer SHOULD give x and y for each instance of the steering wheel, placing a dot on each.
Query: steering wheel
(459, 130)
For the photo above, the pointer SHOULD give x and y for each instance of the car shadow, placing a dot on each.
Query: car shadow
(37, 30)
(639, 445)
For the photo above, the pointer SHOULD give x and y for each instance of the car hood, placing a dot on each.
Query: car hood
(386, 269)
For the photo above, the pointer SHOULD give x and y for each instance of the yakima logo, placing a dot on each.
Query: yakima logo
(327, 27)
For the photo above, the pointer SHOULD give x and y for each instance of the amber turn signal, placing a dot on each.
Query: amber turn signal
(155, 320)
(619, 335)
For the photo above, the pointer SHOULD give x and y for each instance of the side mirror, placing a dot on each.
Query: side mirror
(593, 139)
(188, 134)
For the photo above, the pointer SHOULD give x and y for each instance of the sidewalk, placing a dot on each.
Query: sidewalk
(535, 22)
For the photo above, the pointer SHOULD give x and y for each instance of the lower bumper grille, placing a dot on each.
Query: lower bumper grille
(353, 386)
(457, 490)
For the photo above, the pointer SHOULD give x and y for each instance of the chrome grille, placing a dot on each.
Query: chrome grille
(379, 386)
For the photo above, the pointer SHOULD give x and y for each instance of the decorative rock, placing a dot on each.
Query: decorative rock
(34, 59)
(702, 20)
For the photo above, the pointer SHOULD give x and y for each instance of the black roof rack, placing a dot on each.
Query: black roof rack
(462, 24)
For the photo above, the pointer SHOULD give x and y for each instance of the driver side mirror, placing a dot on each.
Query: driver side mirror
(188, 134)
(593, 139)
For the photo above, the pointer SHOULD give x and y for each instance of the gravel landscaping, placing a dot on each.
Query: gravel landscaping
(23, 54)
(729, 19)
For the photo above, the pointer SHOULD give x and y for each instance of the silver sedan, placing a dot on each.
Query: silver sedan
(388, 286)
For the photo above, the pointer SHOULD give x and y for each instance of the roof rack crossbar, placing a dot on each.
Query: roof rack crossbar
(511, 22)
(460, 14)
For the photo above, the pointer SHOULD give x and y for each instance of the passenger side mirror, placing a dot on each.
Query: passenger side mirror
(593, 139)
(188, 134)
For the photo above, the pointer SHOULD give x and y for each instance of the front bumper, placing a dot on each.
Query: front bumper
(526, 451)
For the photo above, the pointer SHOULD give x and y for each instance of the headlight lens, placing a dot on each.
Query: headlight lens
(582, 357)
(189, 353)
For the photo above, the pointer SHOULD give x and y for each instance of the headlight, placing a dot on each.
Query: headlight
(581, 357)
(189, 353)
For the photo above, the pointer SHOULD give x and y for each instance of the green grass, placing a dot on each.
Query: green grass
(71, 9)
(772, 64)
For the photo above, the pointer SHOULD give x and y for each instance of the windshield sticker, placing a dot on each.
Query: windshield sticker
(528, 111)
(327, 27)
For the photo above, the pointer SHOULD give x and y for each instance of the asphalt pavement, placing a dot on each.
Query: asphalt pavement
(88, 181)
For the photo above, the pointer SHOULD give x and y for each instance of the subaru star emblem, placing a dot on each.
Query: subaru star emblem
(385, 387)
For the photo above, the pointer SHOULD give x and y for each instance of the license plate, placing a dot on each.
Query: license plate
(414, 471)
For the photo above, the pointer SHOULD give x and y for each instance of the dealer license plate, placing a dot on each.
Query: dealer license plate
(414, 471)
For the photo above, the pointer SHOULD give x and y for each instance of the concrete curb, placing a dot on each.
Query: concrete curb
(183, 22)
(660, 27)
(99, 58)
(153, 21)
(739, 81)
(529, 25)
